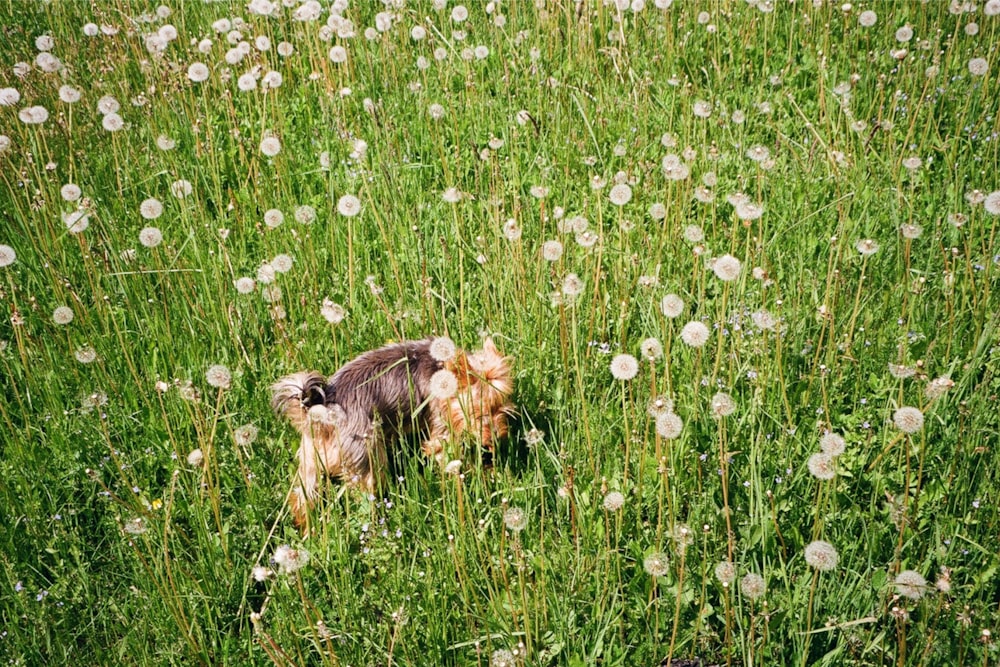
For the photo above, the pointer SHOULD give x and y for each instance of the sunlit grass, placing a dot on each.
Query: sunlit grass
(785, 216)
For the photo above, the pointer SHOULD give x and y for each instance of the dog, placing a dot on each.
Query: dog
(347, 420)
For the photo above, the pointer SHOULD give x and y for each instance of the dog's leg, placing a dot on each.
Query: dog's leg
(440, 433)
(302, 496)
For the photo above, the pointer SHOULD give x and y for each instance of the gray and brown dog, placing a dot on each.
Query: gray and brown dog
(347, 420)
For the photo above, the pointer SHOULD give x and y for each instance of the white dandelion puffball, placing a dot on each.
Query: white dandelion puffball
(332, 312)
(273, 218)
(552, 251)
(821, 466)
(442, 348)
(62, 315)
(349, 206)
(7, 255)
(443, 384)
(270, 146)
(752, 585)
(669, 426)
(821, 555)
(908, 419)
(832, 444)
(150, 237)
(198, 72)
(722, 405)
(151, 208)
(727, 268)
(620, 194)
(910, 584)
(672, 306)
(70, 192)
(338, 54)
(219, 376)
(624, 367)
(695, 333)
(614, 501)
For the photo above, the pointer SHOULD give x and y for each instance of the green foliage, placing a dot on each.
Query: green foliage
(141, 505)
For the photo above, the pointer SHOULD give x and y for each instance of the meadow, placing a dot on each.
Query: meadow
(743, 257)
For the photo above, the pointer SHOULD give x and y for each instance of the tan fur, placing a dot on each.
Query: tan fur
(346, 421)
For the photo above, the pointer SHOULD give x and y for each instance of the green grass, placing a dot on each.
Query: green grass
(114, 549)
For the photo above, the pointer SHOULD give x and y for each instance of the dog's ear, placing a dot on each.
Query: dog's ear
(490, 346)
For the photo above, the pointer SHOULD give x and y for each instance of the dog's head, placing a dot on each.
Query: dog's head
(485, 384)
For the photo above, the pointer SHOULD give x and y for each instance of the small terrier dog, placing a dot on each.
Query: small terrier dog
(428, 384)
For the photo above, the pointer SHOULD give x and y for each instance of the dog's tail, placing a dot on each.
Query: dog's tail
(294, 394)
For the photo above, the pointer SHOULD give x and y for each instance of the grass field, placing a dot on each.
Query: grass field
(785, 214)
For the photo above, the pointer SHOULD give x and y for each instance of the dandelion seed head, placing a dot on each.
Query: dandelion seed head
(198, 72)
(832, 444)
(908, 419)
(85, 354)
(656, 564)
(195, 457)
(624, 367)
(910, 584)
(515, 519)
(659, 405)
(112, 122)
(135, 526)
(725, 572)
(282, 263)
(245, 285)
(304, 214)
(693, 234)
(34, 115)
(938, 387)
(821, 555)
(672, 306)
(502, 658)
(62, 315)
(218, 376)
(979, 66)
(273, 218)
(753, 586)
(443, 384)
(572, 285)
(669, 426)
(695, 333)
(70, 192)
(867, 247)
(76, 221)
(722, 405)
(512, 230)
(442, 349)
(991, 203)
(332, 312)
(290, 560)
(727, 268)
(7, 255)
(165, 143)
(821, 466)
(651, 349)
(150, 237)
(764, 320)
(245, 435)
(552, 251)
(620, 194)
(613, 501)
(270, 146)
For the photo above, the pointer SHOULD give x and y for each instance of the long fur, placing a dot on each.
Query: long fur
(347, 420)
